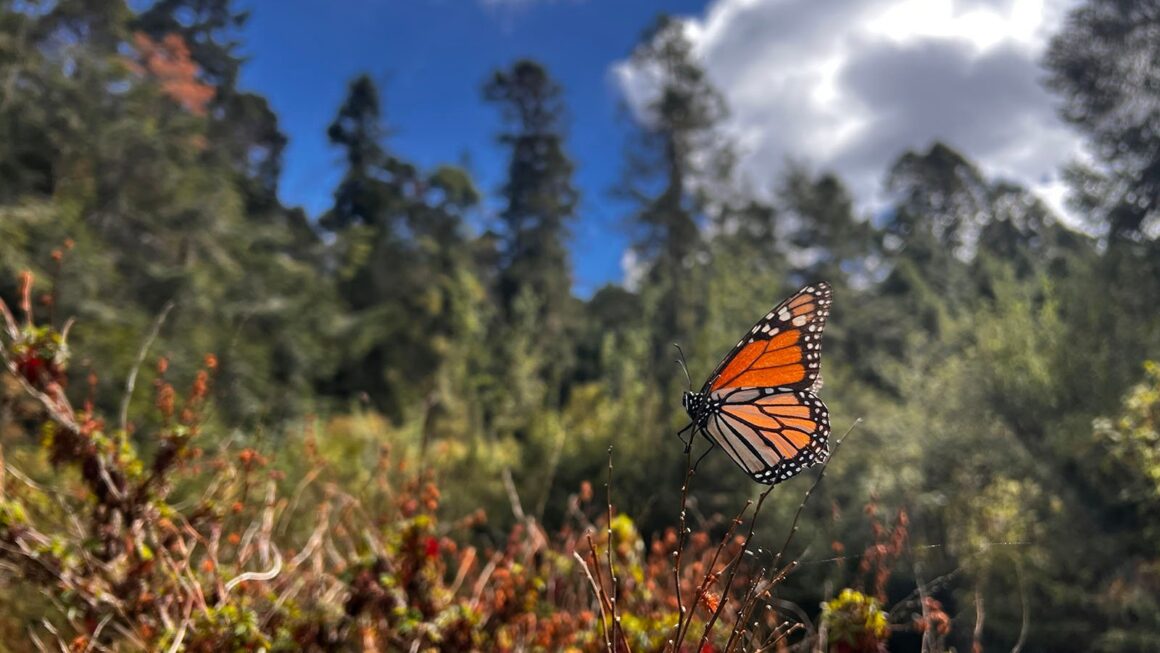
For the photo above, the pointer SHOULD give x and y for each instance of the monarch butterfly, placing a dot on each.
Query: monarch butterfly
(760, 404)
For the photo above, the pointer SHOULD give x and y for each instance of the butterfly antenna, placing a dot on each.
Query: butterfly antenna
(683, 365)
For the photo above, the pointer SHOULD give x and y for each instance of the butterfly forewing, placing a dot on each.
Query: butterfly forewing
(783, 350)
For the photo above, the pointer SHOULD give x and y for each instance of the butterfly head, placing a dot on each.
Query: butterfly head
(694, 403)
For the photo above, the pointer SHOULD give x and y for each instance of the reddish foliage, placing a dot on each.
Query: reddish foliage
(246, 562)
(170, 63)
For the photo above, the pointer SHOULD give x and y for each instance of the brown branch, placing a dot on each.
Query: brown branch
(599, 601)
(733, 574)
(818, 479)
(679, 553)
(513, 496)
(711, 575)
(131, 381)
(611, 563)
(980, 616)
(1025, 622)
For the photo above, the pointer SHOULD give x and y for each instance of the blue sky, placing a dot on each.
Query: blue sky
(840, 86)
(431, 58)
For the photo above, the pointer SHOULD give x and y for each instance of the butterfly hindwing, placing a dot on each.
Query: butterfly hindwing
(783, 350)
(771, 434)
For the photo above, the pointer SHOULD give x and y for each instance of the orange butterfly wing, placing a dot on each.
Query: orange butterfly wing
(764, 412)
(783, 350)
(772, 435)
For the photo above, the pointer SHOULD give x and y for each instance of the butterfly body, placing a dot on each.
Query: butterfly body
(760, 404)
(698, 407)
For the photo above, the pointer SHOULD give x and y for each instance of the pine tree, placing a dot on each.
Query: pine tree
(540, 201)
(1106, 65)
(678, 154)
(404, 267)
(830, 242)
(372, 191)
(367, 218)
(242, 127)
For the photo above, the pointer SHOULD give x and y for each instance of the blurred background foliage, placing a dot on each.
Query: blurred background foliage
(996, 356)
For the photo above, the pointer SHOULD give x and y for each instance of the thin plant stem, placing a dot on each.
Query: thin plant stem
(611, 564)
(678, 554)
(709, 574)
(131, 381)
(818, 479)
(733, 570)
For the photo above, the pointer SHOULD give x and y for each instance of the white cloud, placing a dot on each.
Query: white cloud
(633, 269)
(850, 86)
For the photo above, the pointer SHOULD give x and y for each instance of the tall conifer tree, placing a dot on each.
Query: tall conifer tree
(540, 201)
(1106, 65)
(678, 154)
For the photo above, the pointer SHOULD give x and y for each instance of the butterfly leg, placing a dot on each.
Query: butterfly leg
(712, 445)
(689, 442)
